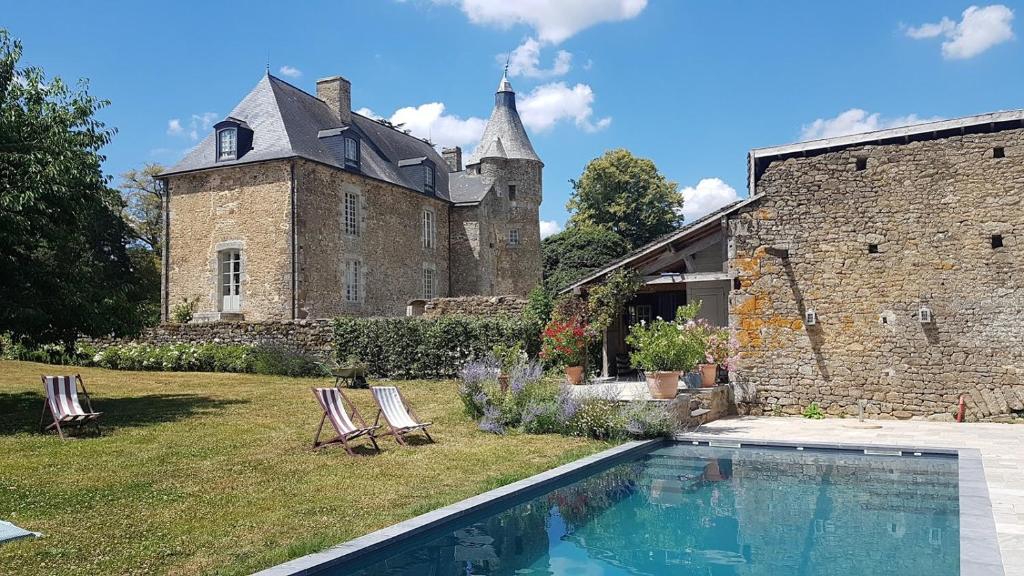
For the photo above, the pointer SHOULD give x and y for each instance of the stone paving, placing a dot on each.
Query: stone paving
(1001, 446)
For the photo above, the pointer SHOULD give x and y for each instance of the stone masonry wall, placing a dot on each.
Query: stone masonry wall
(474, 306)
(248, 206)
(312, 336)
(931, 208)
(389, 245)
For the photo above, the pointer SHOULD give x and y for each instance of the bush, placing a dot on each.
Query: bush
(285, 361)
(183, 311)
(427, 348)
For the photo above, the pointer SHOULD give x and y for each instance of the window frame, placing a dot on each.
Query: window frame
(356, 160)
(429, 178)
(428, 229)
(352, 224)
(428, 282)
(221, 155)
(512, 192)
(229, 280)
(514, 240)
(353, 280)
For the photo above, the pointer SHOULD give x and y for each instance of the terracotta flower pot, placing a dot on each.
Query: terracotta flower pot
(663, 385)
(708, 375)
(574, 374)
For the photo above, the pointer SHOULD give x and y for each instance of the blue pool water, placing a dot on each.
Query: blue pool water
(696, 510)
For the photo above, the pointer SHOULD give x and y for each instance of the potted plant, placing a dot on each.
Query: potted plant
(721, 350)
(509, 356)
(663, 350)
(565, 343)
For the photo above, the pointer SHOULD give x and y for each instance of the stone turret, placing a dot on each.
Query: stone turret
(507, 164)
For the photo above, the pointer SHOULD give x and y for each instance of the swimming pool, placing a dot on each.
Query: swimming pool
(680, 508)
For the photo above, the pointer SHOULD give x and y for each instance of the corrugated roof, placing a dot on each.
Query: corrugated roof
(287, 121)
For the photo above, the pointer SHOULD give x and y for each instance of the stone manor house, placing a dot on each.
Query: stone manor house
(295, 206)
(880, 271)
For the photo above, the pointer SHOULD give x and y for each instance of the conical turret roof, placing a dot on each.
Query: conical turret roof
(504, 136)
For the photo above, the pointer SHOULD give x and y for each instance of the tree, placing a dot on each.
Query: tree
(627, 195)
(143, 203)
(64, 256)
(577, 251)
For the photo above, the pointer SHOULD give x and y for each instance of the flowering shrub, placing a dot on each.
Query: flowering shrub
(661, 346)
(722, 348)
(565, 342)
(259, 359)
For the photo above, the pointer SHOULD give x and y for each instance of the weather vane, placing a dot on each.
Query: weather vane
(508, 57)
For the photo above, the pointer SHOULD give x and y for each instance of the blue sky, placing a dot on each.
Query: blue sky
(691, 85)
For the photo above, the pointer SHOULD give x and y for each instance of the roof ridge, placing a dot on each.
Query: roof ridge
(379, 123)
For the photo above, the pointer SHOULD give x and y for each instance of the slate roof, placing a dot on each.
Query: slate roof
(286, 122)
(465, 187)
(504, 136)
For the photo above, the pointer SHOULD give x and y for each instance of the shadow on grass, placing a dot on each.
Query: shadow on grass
(20, 411)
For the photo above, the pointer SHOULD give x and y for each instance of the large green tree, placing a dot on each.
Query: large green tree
(143, 204)
(627, 195)
(64, 259)
(577, 251)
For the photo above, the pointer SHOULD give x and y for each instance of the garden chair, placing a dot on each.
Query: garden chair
(333, 401)
(65, 409)
(401, 418)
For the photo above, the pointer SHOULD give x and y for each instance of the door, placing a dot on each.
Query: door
(714, 302)
(230, 280)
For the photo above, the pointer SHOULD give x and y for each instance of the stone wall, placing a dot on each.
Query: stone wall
(389, 245)
(248, 207)
(474, 306)
(312, 336)
(928, 211)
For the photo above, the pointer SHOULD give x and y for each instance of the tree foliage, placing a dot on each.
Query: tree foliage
(64, 256)
(578, 251)
(143, 204)
(627, 195)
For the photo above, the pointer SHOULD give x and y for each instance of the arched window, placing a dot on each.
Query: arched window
(227, 144)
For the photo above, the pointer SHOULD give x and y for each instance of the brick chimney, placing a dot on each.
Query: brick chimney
(337, 93)
(453, 157)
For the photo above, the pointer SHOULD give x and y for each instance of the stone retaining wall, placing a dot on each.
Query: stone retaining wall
(474, 306)
(315, 337)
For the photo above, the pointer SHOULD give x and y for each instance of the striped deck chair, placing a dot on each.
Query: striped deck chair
(63, 405)
(333, 401)
(397, 413)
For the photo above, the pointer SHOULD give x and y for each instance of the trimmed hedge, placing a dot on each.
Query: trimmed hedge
(427, 348)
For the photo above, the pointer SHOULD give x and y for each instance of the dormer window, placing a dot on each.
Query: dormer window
(351, 152)
(227, 144)
(428, 178)
(234, 139)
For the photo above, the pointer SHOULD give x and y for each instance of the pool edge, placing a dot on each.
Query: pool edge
(357, 547)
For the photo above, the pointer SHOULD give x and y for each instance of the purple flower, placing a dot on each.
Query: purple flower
(479, 371)
(531, 412)
(523, 374)
(491, 422)
(568, 405)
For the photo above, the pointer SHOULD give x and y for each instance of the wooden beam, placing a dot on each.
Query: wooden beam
(668, 257)
(686, 278)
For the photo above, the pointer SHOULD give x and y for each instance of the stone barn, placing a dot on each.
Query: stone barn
(879, 272)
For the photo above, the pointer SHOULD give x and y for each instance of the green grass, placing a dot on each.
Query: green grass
(200, 473)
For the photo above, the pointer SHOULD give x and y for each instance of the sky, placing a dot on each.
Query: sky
(691, 85)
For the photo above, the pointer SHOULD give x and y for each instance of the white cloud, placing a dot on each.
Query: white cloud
(201, 124)
(554, 21)
(430, 121)
(978, 30)
(525, 61)
(707, 196)
(174, 127)
(549, 228)
(547, 104)
(290, 71)
(855, 121)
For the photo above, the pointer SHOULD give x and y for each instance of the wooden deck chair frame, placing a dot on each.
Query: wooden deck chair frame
(344, 438)
(92, 417)
(400, 432)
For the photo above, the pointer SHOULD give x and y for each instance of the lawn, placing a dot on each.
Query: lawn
(199, 473)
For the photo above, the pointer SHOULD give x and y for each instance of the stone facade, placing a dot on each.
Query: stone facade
(389, 245)
(864, 236)
(484, 258)
(245, 207)
(474, 306)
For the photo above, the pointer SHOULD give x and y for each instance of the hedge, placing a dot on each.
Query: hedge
(427, 348)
